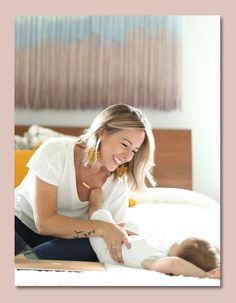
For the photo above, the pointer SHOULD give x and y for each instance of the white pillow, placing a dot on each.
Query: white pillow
(177, 195)
(35, 136)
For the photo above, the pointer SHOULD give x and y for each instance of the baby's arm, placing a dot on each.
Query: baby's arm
(174, 265)
(214, 273)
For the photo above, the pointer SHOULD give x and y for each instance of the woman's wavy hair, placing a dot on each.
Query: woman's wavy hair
(125, 117)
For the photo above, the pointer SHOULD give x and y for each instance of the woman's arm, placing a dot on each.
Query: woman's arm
(175, 266)
(49, 222)
(129, 232)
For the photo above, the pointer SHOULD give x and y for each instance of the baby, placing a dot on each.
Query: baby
(191, 257)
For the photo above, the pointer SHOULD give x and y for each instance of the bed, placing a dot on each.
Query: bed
(171, 211)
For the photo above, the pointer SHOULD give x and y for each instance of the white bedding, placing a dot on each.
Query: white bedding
(167, 213)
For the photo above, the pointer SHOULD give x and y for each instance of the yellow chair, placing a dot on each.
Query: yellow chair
(22, 156)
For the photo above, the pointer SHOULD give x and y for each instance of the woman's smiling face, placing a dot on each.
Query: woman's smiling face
(119, 147)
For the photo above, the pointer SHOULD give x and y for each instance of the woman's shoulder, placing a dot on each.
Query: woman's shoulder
(56, 145)
(59, 141)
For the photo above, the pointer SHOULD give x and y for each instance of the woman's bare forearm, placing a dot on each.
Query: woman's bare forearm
(70, 228)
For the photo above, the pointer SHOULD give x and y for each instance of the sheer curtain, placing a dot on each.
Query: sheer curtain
(78, 62)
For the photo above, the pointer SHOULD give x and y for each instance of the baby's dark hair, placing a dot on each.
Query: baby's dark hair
(201, 253)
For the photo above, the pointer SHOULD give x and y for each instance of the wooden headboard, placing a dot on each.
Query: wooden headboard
(173, 156)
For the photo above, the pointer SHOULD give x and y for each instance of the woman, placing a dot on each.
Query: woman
(51, 204)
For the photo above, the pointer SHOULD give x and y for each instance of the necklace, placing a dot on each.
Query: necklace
(82, 177)
(80, 162)
(85, 184)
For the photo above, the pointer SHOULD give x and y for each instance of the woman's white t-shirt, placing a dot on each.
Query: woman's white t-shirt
(53, 162)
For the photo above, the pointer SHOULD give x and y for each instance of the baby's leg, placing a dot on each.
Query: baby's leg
(95, 200)
(98, 243)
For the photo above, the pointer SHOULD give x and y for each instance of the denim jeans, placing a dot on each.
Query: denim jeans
(47, 247)
(20, 244)
(21, 247)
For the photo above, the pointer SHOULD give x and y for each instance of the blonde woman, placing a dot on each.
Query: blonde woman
(115, 154)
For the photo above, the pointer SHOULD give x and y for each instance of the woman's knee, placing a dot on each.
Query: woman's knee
(66, 249)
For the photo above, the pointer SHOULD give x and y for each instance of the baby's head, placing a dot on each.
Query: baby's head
(197, 251)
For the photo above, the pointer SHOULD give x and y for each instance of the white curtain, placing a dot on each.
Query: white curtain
(78, 62)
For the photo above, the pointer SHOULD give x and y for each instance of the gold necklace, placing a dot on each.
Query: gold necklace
(82, 177)
(80, 163)
(85, 184)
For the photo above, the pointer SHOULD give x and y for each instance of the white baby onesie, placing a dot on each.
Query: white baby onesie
(140, 249)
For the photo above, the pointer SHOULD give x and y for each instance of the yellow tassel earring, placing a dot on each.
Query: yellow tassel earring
(92, 155)
(121, 170)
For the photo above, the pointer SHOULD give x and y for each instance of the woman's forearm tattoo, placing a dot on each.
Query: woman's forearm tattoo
(83, 234)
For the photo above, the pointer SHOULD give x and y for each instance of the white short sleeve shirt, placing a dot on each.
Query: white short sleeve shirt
(53, 162)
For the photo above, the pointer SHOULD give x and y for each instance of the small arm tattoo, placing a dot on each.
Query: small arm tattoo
(83, 234)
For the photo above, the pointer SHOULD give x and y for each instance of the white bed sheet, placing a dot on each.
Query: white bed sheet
(170, 214)
(115, 275)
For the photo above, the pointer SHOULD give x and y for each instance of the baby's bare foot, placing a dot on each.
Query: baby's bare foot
(95, 200)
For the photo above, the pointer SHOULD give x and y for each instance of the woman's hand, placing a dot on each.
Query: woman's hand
(115, 236)
(131, 233)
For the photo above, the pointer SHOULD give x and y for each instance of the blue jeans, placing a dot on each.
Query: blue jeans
(47, 247)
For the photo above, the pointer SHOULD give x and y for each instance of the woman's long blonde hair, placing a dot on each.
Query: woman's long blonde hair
(125, 117)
